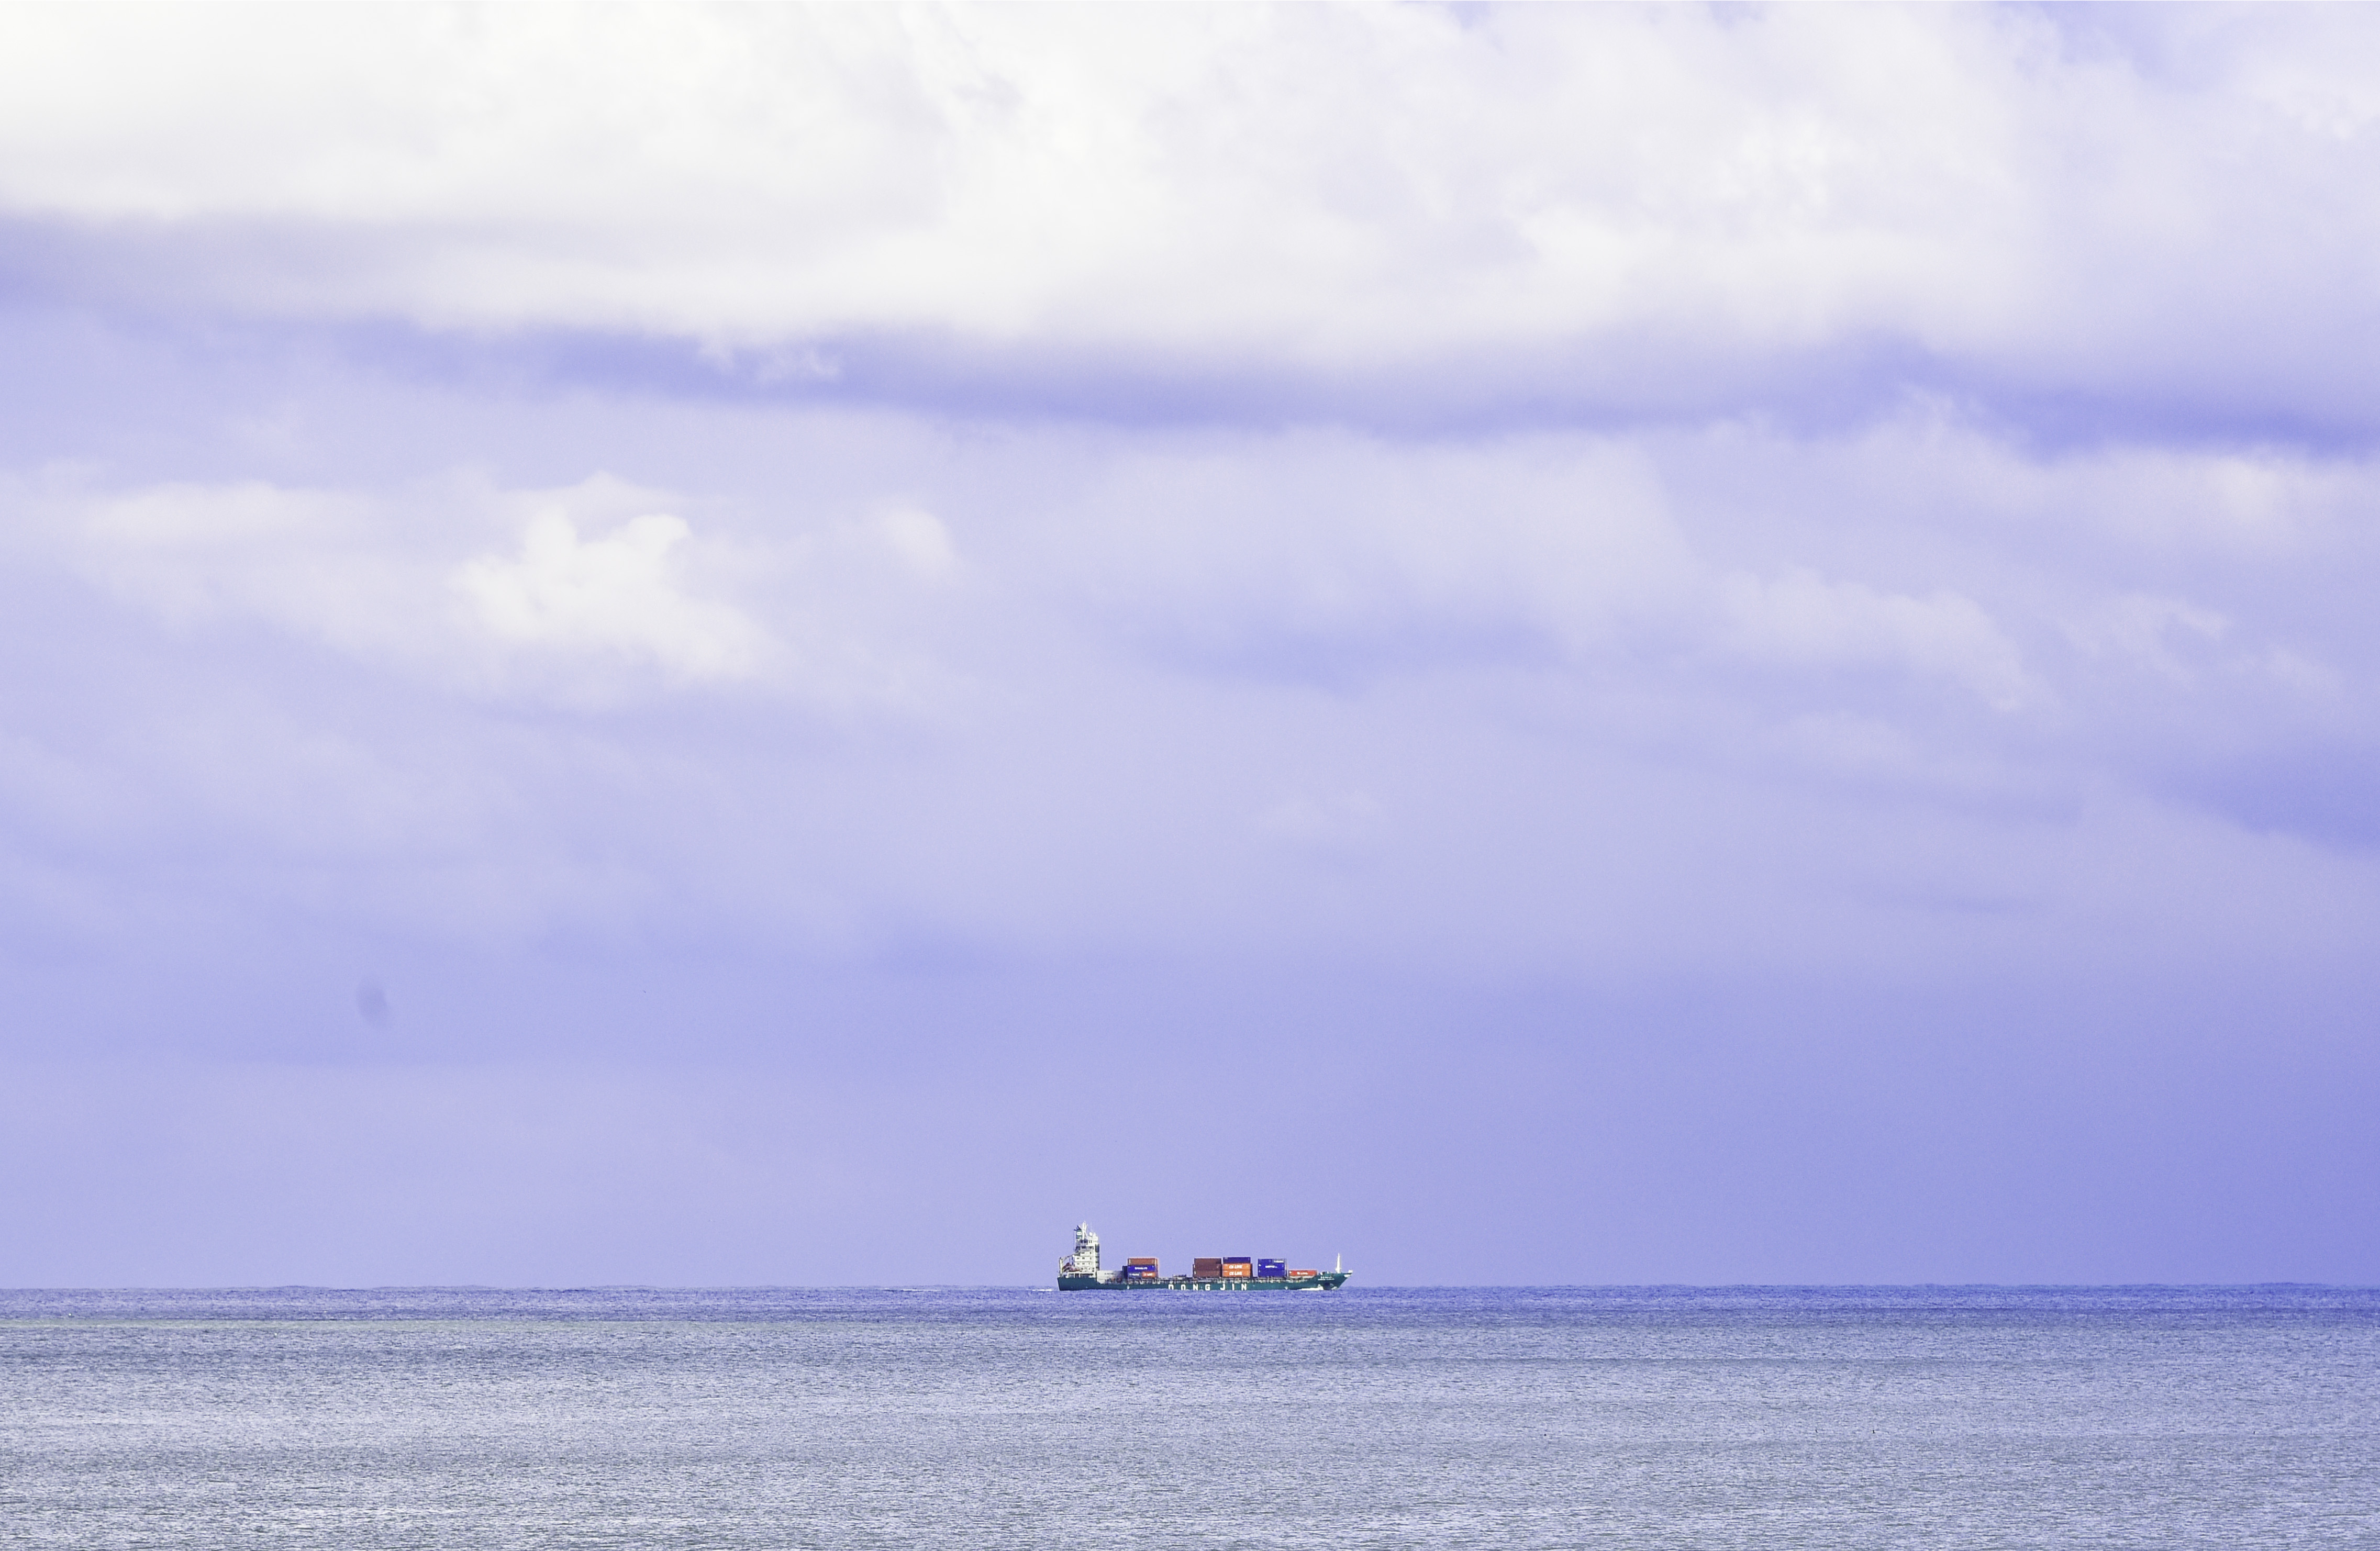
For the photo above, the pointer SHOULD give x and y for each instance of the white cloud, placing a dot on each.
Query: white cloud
(1800, 619)
(918, 540)
(590, 594)
(1246, 188)
(312, 561)
(1352, 559)
(376, 574)
(619, 594)
(1323, 552)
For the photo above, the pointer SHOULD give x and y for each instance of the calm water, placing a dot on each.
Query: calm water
(1564, 1417)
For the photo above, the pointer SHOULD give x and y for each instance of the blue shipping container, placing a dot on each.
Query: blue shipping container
(1272, 1267)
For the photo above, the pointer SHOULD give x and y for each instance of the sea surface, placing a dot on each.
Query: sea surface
(1637, 1417)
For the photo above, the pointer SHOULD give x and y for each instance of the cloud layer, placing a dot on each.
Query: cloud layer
(2083, 218)
(1028, 640)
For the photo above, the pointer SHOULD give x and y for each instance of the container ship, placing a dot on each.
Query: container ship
(1080, 1272)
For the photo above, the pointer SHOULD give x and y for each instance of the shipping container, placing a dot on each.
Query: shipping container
(1143, 1260)
(1241, 1269)
(1206, 1265)
(1272, 1267)
(1296, 1274)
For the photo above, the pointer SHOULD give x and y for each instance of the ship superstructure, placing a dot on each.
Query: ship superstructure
(1080, 1272)
(1084, 1261)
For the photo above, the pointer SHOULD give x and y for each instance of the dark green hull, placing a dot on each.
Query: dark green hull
(1326, 1282)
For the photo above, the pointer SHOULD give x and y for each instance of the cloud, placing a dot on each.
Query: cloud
(1334, 556)
(1346, 559)
(313, 562)
(1802, 620)
(918, 540)
(2158, 632)
(1394, 211)
(386, 577)
(1988, 618)
(618, 594)
(592, 596)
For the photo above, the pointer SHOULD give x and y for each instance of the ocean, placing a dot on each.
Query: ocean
(1636, 1417)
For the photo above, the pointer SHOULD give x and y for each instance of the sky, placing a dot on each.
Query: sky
(763, 645)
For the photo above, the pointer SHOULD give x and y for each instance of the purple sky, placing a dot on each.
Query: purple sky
(1533, 646)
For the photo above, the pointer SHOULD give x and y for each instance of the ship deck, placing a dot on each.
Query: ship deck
(1327, 1281)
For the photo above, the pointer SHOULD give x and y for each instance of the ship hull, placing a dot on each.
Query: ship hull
(1327, 1281)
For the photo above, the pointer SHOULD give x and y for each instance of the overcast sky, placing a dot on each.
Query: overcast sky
(1531, 646)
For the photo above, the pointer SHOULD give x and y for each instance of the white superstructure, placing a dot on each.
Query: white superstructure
(1084, 1261)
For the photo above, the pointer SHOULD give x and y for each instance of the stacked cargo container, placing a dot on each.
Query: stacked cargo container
(1232, 1268)
(1140, 1270)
